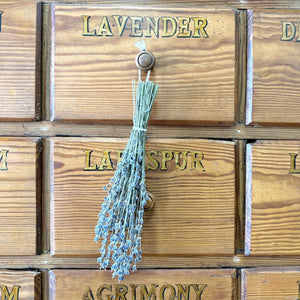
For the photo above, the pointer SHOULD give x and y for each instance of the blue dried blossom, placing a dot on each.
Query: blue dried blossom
(120, 222)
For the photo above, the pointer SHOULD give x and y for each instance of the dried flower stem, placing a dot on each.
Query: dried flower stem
(120, 221)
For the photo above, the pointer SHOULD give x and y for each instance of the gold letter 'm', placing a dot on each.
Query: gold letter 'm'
(14, 295)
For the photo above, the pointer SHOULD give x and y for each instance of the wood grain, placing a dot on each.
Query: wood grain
(72, 284)
(274, 91)
(291, 4)
(19, 196)
(241, 66)
(46, 261)
(29, 282)
(191, 206)
(91, 75)
(20, 61)
(239, 131)
(270, 283)
(274, 213)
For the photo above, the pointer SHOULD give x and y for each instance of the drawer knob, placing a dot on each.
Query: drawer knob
(145, 60)
(150, 203)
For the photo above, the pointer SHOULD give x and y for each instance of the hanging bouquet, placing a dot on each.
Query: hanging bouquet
(120, 221)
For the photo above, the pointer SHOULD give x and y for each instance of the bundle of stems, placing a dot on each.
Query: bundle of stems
(120, 221)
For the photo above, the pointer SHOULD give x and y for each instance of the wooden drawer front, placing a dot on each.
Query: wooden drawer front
(143, 284)
(194, 204)
(93, 58)
(19, 195)
(273, 208)
(23, 285)
(273, 67)
(19, 51)
(271, 284)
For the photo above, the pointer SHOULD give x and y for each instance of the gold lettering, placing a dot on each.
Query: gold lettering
(140, 291)
(1, 12)
(169, 21)
(120, 26)
(88, 294)
(298, 38)
(198, 290)
(119, 156)
(121, 291)
(152, 25)
(104, 287)
(197, 157)
(183, 291)
(163, 289)
(3, 159)
(166, 156)
(184, 31)
(87, 164)
(133, 291)
(155, 27)
(155, 163)
(14, 295)
(288, 31)
(293, 169)
(86, 26)
(106, 162)
(136, 23)
(199, 28)
(177, 159)
(145, 295)
(104, 28)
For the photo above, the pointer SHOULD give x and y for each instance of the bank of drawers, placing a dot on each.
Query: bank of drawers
(256, 284)
(194, 183)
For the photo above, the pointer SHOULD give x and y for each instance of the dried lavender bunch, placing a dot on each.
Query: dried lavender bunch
(120, 221)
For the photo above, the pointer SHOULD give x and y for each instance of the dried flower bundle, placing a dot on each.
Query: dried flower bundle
(120, 221)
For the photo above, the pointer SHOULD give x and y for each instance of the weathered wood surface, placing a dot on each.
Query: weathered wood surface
(19, 60)
(91, 75)
(271, 284)
(47, 261)
(273, 209)
(19, 195)
(163, 284)
(274, 73)
(25, 285)
(239, 131)
(291, 4)
(194, 210)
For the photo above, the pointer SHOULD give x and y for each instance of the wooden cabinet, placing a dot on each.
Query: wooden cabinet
(221, 156)
(273, 67)
(20, 285)
(272, 204)
(20, 61)
(20, 176)
(182, 177)
(270, 283)
(159, 284)
(93, 52)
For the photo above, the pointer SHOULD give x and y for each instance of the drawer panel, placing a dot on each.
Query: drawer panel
(194, 197)
(273, 67)
(23, 285)
(271, 283)
(143, 284)
(19, 60)
(93, 63)
(273, 208)
(19, 195)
